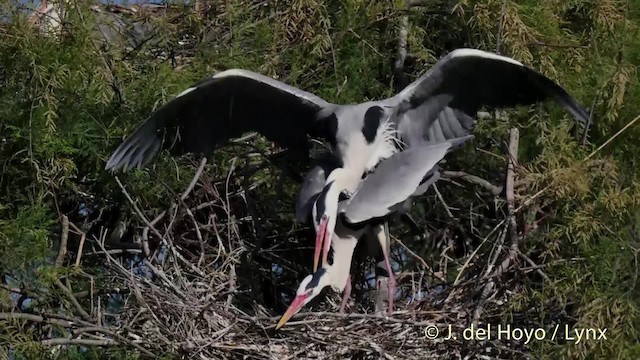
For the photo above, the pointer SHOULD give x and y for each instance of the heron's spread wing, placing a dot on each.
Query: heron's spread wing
(432, 176)
(219, 108)
(393, 181)
(460, 84)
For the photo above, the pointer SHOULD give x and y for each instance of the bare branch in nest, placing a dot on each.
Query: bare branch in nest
(83, 238)
(453, 219)
(135, 206)
(35, 318)
(151, 225)
(514, 137)
(73, 299)
(421, 260)
(195, 179)
(86, 342)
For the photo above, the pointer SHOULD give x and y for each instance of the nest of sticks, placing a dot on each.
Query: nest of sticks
(210, 280)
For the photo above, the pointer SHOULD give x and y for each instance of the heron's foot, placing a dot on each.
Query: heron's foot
(345, 296)
(343, 305)
(381, 293)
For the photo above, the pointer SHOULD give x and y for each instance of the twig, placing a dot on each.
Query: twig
(417, 257)
(73, 299)
(67, 322)
(232, 284)
(87, 342)
(453, 219)
(62, 251)
(611, 138)
(535, 266)
(83, 237)
(493, 189)
(155, 231)
(339, 316)
(35, 318)
(512, 225)
(473, 254)
(366, 42)
(135, 207)
(195, 179)
(514, 137)
(198, 235)
(164, 277)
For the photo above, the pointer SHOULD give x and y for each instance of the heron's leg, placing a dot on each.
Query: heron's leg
(382, 233)
(382, 278)
(346, 293)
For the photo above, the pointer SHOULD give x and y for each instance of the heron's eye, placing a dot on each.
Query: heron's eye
(344, 195)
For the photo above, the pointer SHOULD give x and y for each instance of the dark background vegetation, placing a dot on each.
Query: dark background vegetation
(68, 96)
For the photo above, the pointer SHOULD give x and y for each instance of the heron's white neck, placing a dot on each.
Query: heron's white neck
(340, 269)
(360, 156)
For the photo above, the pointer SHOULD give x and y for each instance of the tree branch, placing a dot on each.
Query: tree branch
(73, 299)
(493, 189)
(62, 251)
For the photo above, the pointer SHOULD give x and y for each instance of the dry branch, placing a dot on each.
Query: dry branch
(493, 189)
(492, 274)
(83, 238)
(86, 342)
(63, 241)
(73, 299)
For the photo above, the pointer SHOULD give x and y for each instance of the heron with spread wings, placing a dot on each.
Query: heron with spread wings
(393, 144)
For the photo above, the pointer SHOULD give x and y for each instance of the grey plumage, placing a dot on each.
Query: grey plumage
(222, 107)
(466, 80)
(392, 182)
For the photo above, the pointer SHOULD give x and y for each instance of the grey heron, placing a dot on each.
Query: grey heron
(409, 173)
(337, 273)
(363, 214)
(440, 105)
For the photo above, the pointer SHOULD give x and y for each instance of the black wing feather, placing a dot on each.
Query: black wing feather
(465, 81)
(220, 108)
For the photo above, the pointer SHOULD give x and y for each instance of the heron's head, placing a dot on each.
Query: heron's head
(309, 288)
(325, 212)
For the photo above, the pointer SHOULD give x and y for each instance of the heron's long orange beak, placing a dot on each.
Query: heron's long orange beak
(293, 309)
(321, 235)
